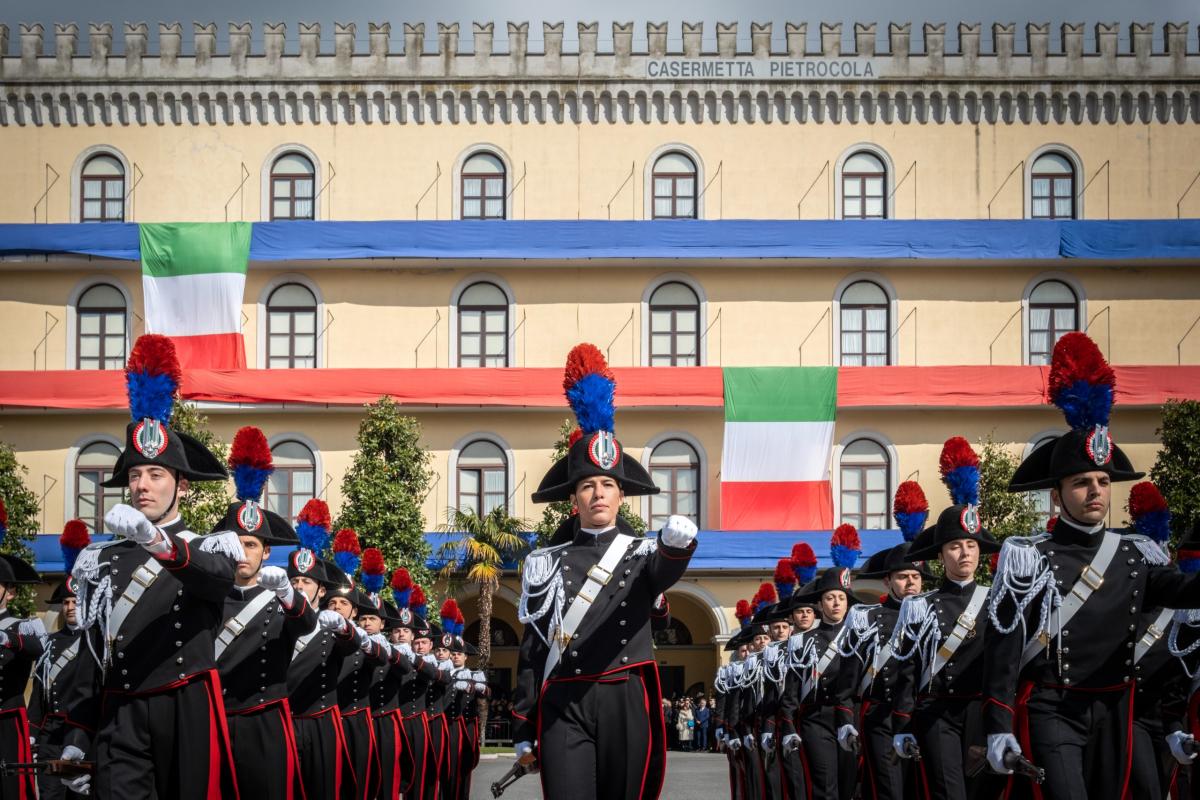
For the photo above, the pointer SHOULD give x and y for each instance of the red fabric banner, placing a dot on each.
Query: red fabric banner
(776, 506)
(211, 351)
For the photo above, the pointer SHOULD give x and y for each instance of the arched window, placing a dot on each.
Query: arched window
(675, 468)
(1052, 187)
(503, 634)
(674, 326)
(674, 183)
(1041, 498)
(102, 190)
(291, 328)
(483, 187)
(864, 485)
(293, 183)
(483, 326)
(675, 634)
(93, 466)
(100, 315)
(864, 187)
(294, 481)
(865, 325)
(482, 478)
(1053, 311)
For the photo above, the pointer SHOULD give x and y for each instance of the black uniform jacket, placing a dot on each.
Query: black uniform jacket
(254, 665)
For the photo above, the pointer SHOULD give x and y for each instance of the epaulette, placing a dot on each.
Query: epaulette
(1152, 552)
(917, 628)
(540, 565)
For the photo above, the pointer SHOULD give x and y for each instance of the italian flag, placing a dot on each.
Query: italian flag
(778, 447)
(193, 280)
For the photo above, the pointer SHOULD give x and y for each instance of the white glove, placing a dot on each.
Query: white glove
(381, 642)
(331, 621)
(1175, 742)
(80, 784)
(362, 639)
(844, 734)
(3, 639)
(791, 742)
(901, 741)
(523, 749)
(462, 686)
(404, 649)
(128, 522)
(720, 735)
(749, 741)
(735, 744)
(997, 745)
(678, 532)
(275, 579)
(767, 739)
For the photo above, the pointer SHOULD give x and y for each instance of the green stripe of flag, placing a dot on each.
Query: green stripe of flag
(194, 248)
(780, 394)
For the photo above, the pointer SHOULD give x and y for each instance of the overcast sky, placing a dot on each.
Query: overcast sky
(13, 12)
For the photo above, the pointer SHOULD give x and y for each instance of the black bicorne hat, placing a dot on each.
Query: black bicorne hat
(955, 522)
(1082, 385)
(775, 612)
(14, 570)
(594, 448)
(893, 559)
(152, 377)
(68, 588)
(740, 638)
(248, 518)
(304, 563)
(832, 579)
(407, 618)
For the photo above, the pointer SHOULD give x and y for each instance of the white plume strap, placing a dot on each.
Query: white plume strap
(1022, 574)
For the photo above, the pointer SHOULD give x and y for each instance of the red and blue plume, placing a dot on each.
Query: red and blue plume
(845, 547)
(250, 461)
(313, 524)
(1051, 522)
(589, 385)
(3, 519)
(743, 612)
(72, 541)
(460, 623)
(804, 562)
(785, 578)
(417, 602)
(373, 570)
(959, 466)
(910, 508)
(449, 614)
(401, 587)
(1081, 382)
(347, 552)
(152, 378)
(765, 596)
(1149, 513)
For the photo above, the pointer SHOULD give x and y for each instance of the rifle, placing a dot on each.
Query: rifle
(53, 766)
(514, 774)
(911, 751)
(977, 761)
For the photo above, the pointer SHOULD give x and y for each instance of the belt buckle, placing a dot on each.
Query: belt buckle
(1091, 577)
(1154, 632)
(965, 622)
(599, 574)
(143, 577)
(235, 626)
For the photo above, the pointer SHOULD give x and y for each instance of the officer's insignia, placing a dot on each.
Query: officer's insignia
(72, 585)
(305, 560)
(603, 450)
(150, 438)
(844, 578)
(406, 616)
(447, 640)
(375, 600)
(1099, 446)
(250, 516)
(969, 519)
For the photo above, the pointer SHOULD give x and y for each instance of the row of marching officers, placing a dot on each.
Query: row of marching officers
(188, 668)
(1074, 674)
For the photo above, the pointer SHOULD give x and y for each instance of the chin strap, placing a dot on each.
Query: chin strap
(170, 508)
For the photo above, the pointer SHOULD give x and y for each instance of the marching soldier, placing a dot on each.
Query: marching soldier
(1065, 606)
(264, 617)
(433, 702)
(22, 642)
(149, 710)
(724, 686)
(939, 640)
(471, 686)
(395, 750)
(55, 677)
(586, 665)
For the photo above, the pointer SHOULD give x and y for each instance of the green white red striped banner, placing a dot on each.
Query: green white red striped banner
(193, 281)
(778, 446)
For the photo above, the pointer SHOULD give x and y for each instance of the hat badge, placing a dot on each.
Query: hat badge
(969, 520)
(150, 438)
(305, 560)
(72, 585)
(603, 449)
(406, 616)
(250, 516)
(844, 579)
(447, 640)
(1099, 445)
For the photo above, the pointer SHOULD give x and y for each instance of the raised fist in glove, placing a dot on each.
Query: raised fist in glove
(902, 742)
(844, 734)
(331, 621)
(997, 745)
(791, 742)
(404, 649)
(362, 639)
(1175, 741)
(462, 684)
(128, 522)
(767, 739)
(678, 532)
(80, 784)
(749, 741)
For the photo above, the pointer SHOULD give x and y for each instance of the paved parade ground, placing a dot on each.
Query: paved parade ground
(689, 776)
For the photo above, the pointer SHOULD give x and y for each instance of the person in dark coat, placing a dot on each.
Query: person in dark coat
(587, 706)
(22, 643)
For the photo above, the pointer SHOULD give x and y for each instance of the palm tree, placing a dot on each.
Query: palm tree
(475, 551)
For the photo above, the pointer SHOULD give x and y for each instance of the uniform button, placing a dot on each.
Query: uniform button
(175, 607)
(627, 572)
(1129, 561)
(1066, 650)
(120, 655)
(624, 641)
(621, 622)
(120, 637)
(178, 625)
(623, 604)
(1064, 633)
(181, 676)
(116, 572)
(578, 671)
(1126, 679)
(574, 654)
(621, 584)
(624, 659)
(179, 644)
(569, 583)
(575, 636)
(264, 633)
(1129, 661)
(127, 685)
(1133, 627)
(116, 558)
(124, 672)
(1133, 574)
(1124, 548)
(179, 660)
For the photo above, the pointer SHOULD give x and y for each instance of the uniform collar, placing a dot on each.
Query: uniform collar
(891, 602)
(1068, 530)
(953, 587)
(604, 538)
(176, 525)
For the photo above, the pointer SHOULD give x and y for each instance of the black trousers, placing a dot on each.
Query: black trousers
(752, 775)
(791, 764)
(594, 740)
(420, 768)
(389, 740)
(170, 744)
(49, 746)
(1073, 736)
(324, 764)
(452, 769)
(832, 771)
(435, 744)
(264, 753)
(884, 776)
(364, 761)
(945, 728)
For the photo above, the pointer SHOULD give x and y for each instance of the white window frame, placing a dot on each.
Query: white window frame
(701, 455)
(456, 296)
(73, 298)
(836, 469)
(889, 178)
(260, 356)
(1076, 164)
(893, 314)
(1037, 280)
(69, 487)
(648, 177)
(265, 179)
(695, 286)
(510, 468)
(77, 178)
(318, 462)
(484, 148)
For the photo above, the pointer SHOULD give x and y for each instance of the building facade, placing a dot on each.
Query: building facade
(1029, 130)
